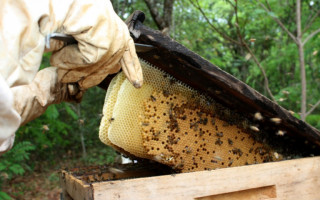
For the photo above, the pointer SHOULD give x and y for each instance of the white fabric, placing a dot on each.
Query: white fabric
(9, 118)
(104, 46)
(33, 99)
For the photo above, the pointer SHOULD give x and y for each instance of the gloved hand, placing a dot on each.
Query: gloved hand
(43, 91)
(104, 46)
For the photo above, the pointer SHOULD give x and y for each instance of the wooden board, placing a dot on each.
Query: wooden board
(293, 179)
(192, 69)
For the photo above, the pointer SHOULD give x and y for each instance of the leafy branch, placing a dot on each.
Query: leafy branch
(300, 44)
(241, 43)
(313, 108)
(163, 22)
(268, 10)
(197, 6)
(311, 21)
(311, 36)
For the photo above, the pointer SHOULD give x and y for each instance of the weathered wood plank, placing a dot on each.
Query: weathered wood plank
(294, 179)
(267, 192)
(74, 188)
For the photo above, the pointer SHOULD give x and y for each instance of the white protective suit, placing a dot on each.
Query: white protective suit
(104, 46)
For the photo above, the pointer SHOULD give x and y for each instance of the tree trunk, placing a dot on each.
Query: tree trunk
(302, 63)
(303, 82)
(83, 145)
(164, 21)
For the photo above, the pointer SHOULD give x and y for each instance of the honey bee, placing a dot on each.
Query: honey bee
(204, 121)
(258, 116)
(188, 150)
(158, 158)
(219, 134)
(276, 120)
(230, 163)
(254, 128)
(115, 170)
(218, 158)
(166, 93)
(172, 81)
(153, 98)
(145, 124)
(179, 165)
(194, 126)
(156, 134)
(281, 133)
(291, 112)
(219, 142)
(201, 133)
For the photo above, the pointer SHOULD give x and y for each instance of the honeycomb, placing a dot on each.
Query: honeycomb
(111, 98)
(171, 123)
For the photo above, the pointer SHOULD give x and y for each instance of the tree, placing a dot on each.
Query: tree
(237, 30)
(300, 42)
(162, 17)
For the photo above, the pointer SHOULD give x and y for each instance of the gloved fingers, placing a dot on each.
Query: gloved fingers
(79, 95)
(131, 66)
(55, 45)
(74, 92)
(74, 68)
(72, 89)
(70, 57)
(43, 91)
(99, 75)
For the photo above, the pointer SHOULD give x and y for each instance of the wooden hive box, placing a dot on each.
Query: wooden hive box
(290, 179)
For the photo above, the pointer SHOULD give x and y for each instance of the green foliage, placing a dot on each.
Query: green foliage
(48, 132)
(13, 163)
(45, 60)
(314, 120)
(4, 196)
(275, 50)
(98, 156)
(71, 112)
(57, 131)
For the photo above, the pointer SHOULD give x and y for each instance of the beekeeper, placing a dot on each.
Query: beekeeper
(104, 46)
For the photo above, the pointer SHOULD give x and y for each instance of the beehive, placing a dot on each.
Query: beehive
(173, 124)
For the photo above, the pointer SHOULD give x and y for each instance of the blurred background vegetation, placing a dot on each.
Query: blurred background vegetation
(256, 41)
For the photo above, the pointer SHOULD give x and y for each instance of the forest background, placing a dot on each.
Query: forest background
(273, 46)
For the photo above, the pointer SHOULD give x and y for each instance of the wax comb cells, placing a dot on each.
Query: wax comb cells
(173, 124)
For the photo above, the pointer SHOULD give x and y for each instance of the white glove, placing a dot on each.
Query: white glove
(104, 45)
(43, 91)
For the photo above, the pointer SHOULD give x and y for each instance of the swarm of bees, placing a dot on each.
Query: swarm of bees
(187, 141)
(173, 124)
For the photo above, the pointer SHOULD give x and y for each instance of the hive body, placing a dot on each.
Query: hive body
(173, 124)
